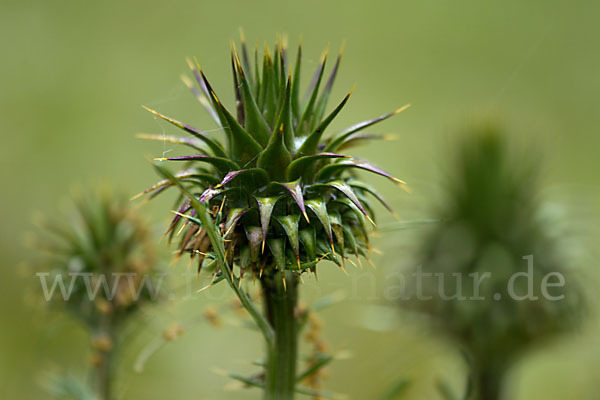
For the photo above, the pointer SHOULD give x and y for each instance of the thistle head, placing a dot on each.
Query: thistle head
(103, 255)
(494, 232)
(281, 192)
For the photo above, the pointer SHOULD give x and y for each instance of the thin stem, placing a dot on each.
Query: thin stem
(280, 303)
(105, 369)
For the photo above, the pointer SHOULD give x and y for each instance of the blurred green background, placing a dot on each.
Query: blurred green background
(73, 75)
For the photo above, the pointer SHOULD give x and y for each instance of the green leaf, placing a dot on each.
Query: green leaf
(239, 105)
(327, 251)
(255, 239)
(246, 59)
(349, 193)
(289, 223)
(265, 208)
(294, 188)
(254, 176)
(308, 114)
(221, 163)
(255, 123)
(357, 138)
(245, 257)
(267, 100)
(318, 207)
(202, 96)
(298, 168)
(166, 182)
(212, 143)
(277, 247)
(311, 144)
(286, 118)
(322, 104)
(335, 169)
(338, 232)
(343, 135)
(243, 146)
(232, 219)
(308, 239)
(296, 84)
(276, 157)
(369, 189)
(350, 240)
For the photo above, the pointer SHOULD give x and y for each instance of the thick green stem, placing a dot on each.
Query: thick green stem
(280, 304)
(488, 383)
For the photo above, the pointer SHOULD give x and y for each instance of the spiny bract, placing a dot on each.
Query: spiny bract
(282, 195)
(104, 255)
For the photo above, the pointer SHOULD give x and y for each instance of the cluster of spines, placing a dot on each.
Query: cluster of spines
(276, 166)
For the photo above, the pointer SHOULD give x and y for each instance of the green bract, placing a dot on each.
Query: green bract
(105, 253)
(496, 238)
(282, 194)
(102, 268)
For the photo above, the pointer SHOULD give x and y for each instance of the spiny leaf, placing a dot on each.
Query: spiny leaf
(258, 176)
(308, 239)
(221, 163)
(166, 182)
(191, 142)
(277, 247)
(318, 207)
(255, 123)
(219, 250)
(203, 97)
(311, 144)
(245, 58)
(209, 194)
(245, 257)
(239, 105)
(338, 231)
(210, 142)
(296, 84)
(232, 219)
(265, 208)
(289, 223)
(299, 166)
(267, 99)
(369, 189)
(333, 169)
(357, 138)
(189, 218)
(294, 188)
(348, 192)
(340, 137)
(185, 207)
(305, 119)
(276, 157)
(326, 251)
(243, 146)
(286, 118)
(322, 104)
(255, 238)
(351, 240)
